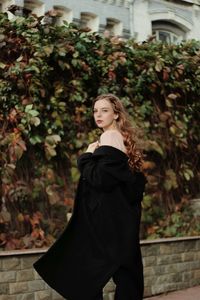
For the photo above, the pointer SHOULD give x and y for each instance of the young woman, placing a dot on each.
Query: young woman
(102, 238)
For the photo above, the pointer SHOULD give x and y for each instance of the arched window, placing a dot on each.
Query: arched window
(63, 14)
(89, 20)
(166, 36)
(36, 6)
(167, 32)
(114, 26)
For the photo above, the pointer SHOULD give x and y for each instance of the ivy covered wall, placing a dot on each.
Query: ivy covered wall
(49, 76)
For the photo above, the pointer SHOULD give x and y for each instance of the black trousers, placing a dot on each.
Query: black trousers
(129, 284)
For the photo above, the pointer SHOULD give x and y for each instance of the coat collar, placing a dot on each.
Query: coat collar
(110, 151)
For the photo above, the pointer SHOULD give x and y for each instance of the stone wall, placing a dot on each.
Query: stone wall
(169, 264)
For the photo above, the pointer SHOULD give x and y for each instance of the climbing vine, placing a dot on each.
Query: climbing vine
(49, 76)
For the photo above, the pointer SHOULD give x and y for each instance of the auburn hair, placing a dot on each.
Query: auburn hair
(129, 133)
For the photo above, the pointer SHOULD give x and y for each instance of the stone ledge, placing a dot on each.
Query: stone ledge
(169, 240)
(142, 242)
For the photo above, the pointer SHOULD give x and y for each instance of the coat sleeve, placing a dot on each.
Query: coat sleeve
(99, 171)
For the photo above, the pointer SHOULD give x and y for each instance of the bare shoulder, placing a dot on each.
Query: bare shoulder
(111, 133)
(113, 138)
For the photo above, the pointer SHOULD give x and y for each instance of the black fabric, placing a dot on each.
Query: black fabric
(103, 232)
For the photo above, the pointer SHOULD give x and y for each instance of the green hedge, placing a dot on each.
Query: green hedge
(49, 76)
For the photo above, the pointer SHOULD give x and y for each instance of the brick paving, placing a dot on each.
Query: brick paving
(188, 294)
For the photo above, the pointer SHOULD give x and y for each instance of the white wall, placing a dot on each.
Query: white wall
(141, 20)
(186, 15)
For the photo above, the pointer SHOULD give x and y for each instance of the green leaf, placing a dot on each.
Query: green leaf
(33, 113)
(48, 49)
(35, 121)
(75, 174)
(53, 139)
(170, 181)
(158, 66)
(36, 140)
(50, 152)
(153, 145)
(2, 65)
(28, 107)
(172, 96)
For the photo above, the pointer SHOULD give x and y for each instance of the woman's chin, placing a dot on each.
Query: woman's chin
(100, 126)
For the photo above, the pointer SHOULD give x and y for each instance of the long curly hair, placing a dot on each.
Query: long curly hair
(129, 133)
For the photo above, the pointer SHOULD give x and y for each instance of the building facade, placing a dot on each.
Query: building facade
(169, 20)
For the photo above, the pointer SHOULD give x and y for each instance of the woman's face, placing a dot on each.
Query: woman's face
(104, 115)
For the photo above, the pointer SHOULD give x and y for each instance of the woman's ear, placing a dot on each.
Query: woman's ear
(116, 117)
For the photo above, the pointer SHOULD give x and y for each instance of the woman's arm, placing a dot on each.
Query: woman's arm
(98, 171)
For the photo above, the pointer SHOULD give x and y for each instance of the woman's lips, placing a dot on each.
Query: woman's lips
(99, 121)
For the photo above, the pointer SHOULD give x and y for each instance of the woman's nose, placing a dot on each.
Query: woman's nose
(98, 114)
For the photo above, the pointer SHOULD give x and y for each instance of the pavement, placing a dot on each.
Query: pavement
(188, 294)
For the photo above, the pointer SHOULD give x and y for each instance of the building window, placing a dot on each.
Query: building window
(89, 20)
(167, 32)
(114, 26)
(36, 6)
(166, 37)
(63, 14)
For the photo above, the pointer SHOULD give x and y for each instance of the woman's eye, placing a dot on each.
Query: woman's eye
(103, 110)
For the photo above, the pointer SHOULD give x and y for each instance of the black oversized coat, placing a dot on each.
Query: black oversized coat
(103, 232)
